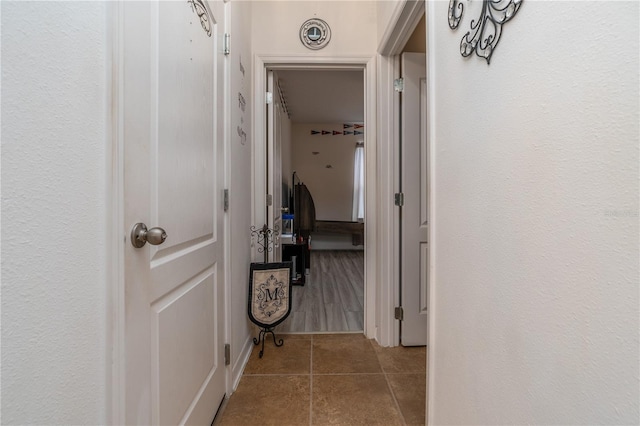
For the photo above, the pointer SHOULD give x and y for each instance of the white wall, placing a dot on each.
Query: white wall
(331, 189)
(276, 25)
(536, 219)
(385, 10)
(54, 191)
(240, 185)
(418, 41)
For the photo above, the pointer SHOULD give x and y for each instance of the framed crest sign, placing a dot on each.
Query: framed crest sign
(270, 293)
(269, 297)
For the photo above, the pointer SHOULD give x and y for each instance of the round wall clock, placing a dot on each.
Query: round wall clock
(315, 33)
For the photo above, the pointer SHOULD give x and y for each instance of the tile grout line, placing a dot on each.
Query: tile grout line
(386, 379)
(311, 383)
(349, 374)
(274, 374)
(395, 400)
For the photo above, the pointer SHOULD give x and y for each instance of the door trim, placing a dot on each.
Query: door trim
(431, 141)
(367, 64)
(404, 19)
(115, 291)
(388, 175)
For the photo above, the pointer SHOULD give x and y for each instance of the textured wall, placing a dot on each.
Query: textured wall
(536, 218)
(53, 212)
(276, 25)
(240, 181)
(384, 12)
(331, 189)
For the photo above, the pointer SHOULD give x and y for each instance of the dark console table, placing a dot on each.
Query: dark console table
(302, 255)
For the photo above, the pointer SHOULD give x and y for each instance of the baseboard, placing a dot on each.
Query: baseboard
(332, 242)
(240, 364)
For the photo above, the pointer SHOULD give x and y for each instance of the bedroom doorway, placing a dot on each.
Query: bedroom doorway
(315, 173)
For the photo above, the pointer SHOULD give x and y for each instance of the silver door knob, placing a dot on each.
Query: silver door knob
(140, 235)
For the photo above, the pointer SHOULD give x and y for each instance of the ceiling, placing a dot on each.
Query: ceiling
(324, 96)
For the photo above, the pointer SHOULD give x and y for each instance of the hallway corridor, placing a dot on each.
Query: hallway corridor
(329, 379)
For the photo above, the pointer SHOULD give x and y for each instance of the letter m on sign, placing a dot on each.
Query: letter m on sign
(272, 296)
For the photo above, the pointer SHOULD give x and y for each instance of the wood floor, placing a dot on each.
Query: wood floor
(332, 300)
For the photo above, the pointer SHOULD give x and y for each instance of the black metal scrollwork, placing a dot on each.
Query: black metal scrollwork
(485, 32)
(200, 8)
(454, 19)
(267, 238)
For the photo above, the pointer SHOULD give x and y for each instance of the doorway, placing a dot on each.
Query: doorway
(408, 33)
(319, 118)
(404, 121)
(314, 133)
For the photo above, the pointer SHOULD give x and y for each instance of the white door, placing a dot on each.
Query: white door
(274, 162)
(172, 101)
(414, 266)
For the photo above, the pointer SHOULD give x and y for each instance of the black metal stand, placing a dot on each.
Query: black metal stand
(262, 336)
(267, 238)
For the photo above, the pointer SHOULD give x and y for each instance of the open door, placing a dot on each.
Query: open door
(414, 262)
(274, 161)
(171, 111)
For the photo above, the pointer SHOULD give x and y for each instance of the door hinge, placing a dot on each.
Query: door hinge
(226, 200)
(398, 84)
(227, 354)
(398, 199)
(399, 313)
(269, 199)
(269, 98)
(227, 44)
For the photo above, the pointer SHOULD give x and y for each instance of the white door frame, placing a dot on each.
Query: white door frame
(367, 64)
(404, 19)
(431, 123)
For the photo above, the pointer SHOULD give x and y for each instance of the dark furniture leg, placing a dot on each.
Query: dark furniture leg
(262, 337)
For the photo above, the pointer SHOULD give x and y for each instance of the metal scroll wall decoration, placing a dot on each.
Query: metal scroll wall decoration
(485, 32)
(200, 9)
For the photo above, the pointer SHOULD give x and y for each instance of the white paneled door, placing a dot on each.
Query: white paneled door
(274, 161)
(171, 113)
(415, 219)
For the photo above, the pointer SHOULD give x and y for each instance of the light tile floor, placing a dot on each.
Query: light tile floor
(329, 379)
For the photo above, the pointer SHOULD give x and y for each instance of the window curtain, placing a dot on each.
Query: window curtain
(358, 184)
